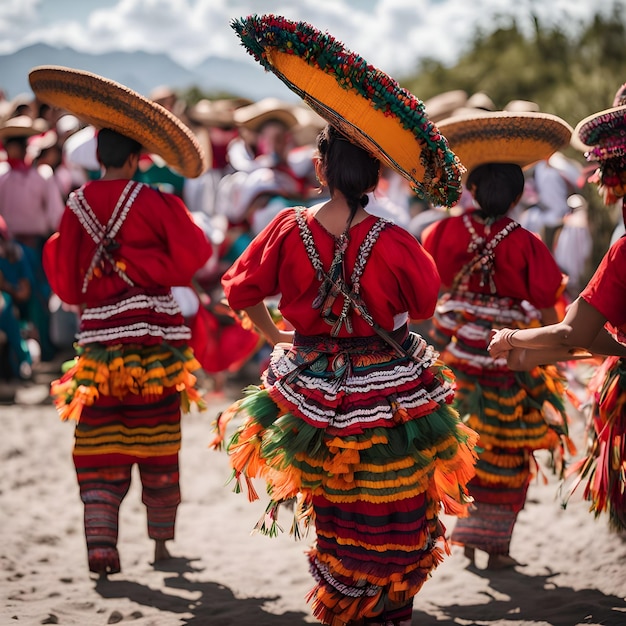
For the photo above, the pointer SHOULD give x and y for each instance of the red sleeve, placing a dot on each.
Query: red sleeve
(60, 262)
(404, 268)
(255, 274)
(544, 279)
(181, 250)
(606, 290)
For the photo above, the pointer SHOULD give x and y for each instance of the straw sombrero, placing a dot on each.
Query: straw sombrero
(104, 103)
(363, 102)
(444, 104)
(22, 126)
(217, 113)
(505, 137)
(254, 115)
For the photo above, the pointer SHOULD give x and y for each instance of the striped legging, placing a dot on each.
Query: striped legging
(102, 490)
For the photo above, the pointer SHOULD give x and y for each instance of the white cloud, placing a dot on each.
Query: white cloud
(390, 34)
(17, 18)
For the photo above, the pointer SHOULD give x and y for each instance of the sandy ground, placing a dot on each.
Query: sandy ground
(573, 572)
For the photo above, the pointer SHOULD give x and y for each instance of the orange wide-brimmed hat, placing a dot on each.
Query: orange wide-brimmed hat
(104, 103)
(364, 103)
(523, 137)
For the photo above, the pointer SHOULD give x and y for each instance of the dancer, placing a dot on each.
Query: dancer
(353, 417)
(120, 248)
(495, 273)
(594, 324)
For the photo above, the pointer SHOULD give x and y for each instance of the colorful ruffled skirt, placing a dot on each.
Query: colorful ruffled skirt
(132, 375)
(514, 414)
(603, 467)
(135, 345)
(125, 370)
(366, 444)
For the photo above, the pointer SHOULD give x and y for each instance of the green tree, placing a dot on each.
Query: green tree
(571, 72)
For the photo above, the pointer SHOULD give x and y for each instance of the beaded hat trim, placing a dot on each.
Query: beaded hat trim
(363, 102)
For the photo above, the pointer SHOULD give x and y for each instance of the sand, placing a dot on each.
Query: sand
(573, 569)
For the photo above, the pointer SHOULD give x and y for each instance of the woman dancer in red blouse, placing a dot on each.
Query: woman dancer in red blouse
(595, 323)
(495, 274)
(356, 425)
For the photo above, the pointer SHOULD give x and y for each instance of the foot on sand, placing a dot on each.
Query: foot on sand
(161, 552)
(501, 561)
(470, 554)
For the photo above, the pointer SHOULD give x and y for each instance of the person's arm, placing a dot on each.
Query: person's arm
(579, 335)
(525, 359)
(549, 316)
(261, 318)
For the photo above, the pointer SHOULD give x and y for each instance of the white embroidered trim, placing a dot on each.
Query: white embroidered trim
(134, 330)
(161, 304)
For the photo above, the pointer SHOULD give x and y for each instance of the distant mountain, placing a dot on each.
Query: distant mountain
(143, 72)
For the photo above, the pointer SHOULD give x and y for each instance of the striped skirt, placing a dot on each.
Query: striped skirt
(133, 345)
(367, 444)
(514, 413)
(113, 432)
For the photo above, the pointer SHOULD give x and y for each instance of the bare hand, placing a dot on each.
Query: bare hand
(499, 346)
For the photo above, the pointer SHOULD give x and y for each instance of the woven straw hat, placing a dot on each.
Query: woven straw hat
(22, 126)
(104, 103)
(363, 102)
(505, 137)
(480, 100)
(254, 115)
(518, 106)
(444, 104)
(218, 113)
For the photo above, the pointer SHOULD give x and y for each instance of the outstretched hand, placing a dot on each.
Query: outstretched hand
(500, 345)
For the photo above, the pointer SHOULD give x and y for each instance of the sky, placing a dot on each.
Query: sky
(390, 34)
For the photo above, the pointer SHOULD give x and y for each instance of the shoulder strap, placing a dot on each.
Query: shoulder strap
(483, 259)
(333, 282)
(104, 235)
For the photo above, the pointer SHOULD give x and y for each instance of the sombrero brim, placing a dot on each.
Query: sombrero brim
(606, 128)
(523, 138)
(104, 103)
(363, 102)
(22, 126)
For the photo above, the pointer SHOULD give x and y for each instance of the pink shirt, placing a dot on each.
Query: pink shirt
(30, 204)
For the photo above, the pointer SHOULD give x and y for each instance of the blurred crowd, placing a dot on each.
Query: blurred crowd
(260, 156)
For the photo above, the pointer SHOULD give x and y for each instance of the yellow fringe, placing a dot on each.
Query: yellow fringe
(120, 377)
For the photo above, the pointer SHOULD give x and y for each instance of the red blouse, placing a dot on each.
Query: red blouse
(606, 291)
(398, 277)
(159, 244)
(524, 268)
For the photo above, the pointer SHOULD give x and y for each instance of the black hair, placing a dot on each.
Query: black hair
(115, 148)
(496, 187)
(347, 167)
